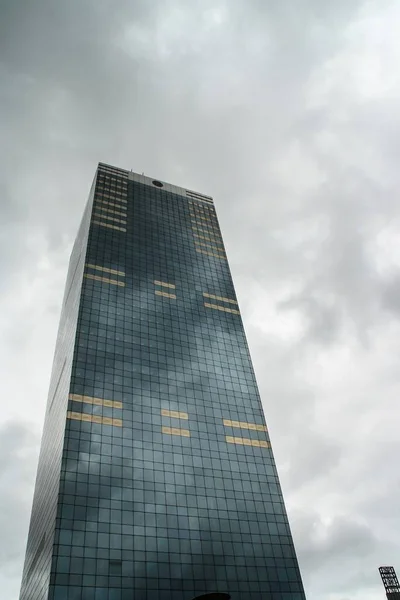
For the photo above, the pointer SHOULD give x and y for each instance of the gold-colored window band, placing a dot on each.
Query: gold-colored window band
(213, 237)
(194, 216)
(175, 431)
(109, 226)
(208, 208)
(174, 414)
(76, 416)
(110, 210)
(222, 308)
(119, 206)
(165, 294)
(208, 238)
(210, 254)
(197, 216)
(96, 401)
(206, 225)
(206, 295)
(164, 284)
(112, 183)
(244, 425)
(105, 269)
(104, 190)
(206, 245)
(109, 218)
(115, 177)
(104, 279)
(247, 442)
(114, 198)
(216, 236)
(201, 206)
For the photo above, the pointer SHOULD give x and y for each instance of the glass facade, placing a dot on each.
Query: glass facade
(156, 477)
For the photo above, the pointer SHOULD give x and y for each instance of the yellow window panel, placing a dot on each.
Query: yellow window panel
(119, 206)
(247, 442)
(175, 431)
(76, 416)
(207, 237)
(219, 298)
(215, 236)
(198, 216)
(96, 401)
(244, 425)
(109, 210)
(174, 414)
(109, 226)
(206, 226)
(164, 294)
(222, 308)
(210, 254)
(114, 198)
(104, 279)
(207, 245)
(209, 210)
(109, 218)
(105, 269)
(168, 285)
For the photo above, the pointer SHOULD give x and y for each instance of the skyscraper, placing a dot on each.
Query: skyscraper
(156, 478)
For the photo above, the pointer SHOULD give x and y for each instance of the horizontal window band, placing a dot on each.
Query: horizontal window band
(175, 431)
(198, 197)
(174, 414)
(110, 210)
(76, 416)
(206, 295)
(247, 442)
(114, 198)
(123, 221)
(209, 233)
(207, 237)
(104, 279)
(206, 225)
(115, 171)
(105, 179)
(109, 226)
(113, 204)
(113, 181)
(164, 284)
(107, 171)
(244, 425)
(210, 254)
(96, 401)
(211, 242)
(221, 308)
(198, 216)
(204, 218)
(164, 294)
(105, 269)
(207, 245)
(208, 210)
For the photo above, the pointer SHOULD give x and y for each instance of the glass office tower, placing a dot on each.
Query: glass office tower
(156, 477)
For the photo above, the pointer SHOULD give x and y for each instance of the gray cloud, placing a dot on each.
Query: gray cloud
(286, 113)
(18, 459)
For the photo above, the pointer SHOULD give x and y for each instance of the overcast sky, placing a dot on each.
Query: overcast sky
(287, 112)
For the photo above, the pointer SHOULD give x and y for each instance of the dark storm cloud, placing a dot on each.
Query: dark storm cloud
(280, 112)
